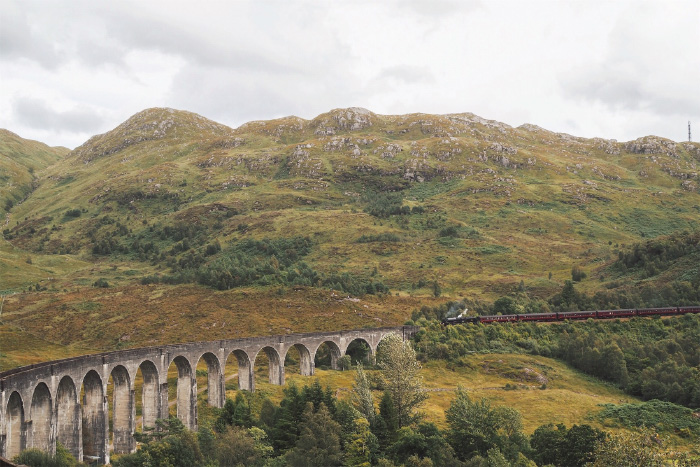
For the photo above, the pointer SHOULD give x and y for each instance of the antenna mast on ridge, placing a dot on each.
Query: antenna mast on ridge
(689, 138)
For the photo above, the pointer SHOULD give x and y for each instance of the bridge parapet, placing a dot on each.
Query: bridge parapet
(41, 403)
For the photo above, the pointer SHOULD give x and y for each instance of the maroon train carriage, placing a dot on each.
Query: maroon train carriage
(577, 315)
(499, 319)
(607, 314)
(538, 317)
(688, 309)
(656, 311)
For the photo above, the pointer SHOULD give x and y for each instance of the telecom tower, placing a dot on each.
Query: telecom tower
(689, 138)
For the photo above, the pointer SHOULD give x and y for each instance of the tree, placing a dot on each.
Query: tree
(574, 447)
(505, 306)
(362, 395)
(385, 425)
(362, 446)
(475, 427)
(568, 294)
(319, 443)
(400, 370)
(236, 447)
(640, 449)
(423, 442)
(577, 275)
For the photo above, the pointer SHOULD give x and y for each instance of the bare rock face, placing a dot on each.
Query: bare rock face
(652, 145)
(609, 146)
(351, 119)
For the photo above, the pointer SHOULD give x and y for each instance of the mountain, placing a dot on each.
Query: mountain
(369, 215)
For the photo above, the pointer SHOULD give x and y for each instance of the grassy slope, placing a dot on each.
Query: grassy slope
(21, 162)
(526, 200)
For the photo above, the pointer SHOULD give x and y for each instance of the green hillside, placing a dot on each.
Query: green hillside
(21, 163)
(375, 214)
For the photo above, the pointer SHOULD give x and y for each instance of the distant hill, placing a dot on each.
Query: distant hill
(352, 201)
(21, 160)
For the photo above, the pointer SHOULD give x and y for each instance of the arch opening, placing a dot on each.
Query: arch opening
(209, 375)
(146, 396)
(182, 392)
(15, 441)
(268, 360)
(41, 416)
(122, 411)
(360, 351)
(327, 355)
(298, 360)
(239, 374)
(68, 420)
(94, 418)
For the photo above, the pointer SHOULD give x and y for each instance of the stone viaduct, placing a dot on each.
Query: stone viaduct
(66, 400)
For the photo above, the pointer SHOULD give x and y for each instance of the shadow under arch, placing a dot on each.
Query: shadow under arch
(327, 355)
(41, 415)
(246, 380)
(275, 366)
(15, 441)
(186, 392)
(94, 417)
(360, 351)
(215, 379)
(68, 423)
(123, 411)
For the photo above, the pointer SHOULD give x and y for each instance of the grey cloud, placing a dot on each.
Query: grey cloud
(34, 113)
(617, 89)
(152, 34)
(642, 71)
(409, 74)
(19, 39)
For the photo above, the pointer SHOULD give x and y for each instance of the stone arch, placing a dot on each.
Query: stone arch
(186, 392)
(94, 417)
(246, 380)
(215, 380)
(122, 411)
(334, 351)
(360, 342)
(306, 363)
(15, 439)
(276, 368)
(68, 421)
(41, 416)
(150, 394)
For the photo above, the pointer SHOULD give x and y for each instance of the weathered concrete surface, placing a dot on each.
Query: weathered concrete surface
(41, 404)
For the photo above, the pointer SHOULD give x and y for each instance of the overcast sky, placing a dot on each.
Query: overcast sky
(614, 69)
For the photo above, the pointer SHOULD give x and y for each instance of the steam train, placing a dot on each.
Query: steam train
(561, 316)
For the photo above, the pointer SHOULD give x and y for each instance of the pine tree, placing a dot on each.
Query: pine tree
(319, 442)
(362, 395)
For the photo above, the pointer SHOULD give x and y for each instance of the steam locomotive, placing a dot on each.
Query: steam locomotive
(561, 316)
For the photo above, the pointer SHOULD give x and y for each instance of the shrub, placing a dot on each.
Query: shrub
(101, 282)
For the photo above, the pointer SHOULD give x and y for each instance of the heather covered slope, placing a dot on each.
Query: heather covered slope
(172, 204)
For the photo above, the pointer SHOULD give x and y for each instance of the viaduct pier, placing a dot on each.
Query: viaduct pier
(66, 400)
